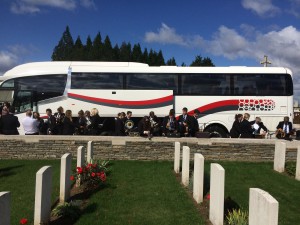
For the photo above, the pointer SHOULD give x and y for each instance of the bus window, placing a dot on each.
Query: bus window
(205, 84)
(263, 84)
(96, 81)
(152, 82)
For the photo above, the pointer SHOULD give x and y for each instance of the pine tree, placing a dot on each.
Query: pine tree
(145, 58)
(97, 50)
(199, 61)
(137, 55)
(88, 49)
(63, 51)
(116, 53)
(78, 51)
(125, 52)
(107, 50)
(160, 61)
(171, 62)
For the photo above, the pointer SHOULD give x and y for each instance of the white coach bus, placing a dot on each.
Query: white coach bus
(217, 92)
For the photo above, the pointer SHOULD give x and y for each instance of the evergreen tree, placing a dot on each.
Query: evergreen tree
(63, 51)
(88, 48)
(107, 50)
(97, 50)
(183, 64)
(171, 62)
(125, 52)
(152, 58)
(160, 61)
(207, 62)
(199, 61)
(145, 58)
(137, 55)
(78, 51)
(116, 53)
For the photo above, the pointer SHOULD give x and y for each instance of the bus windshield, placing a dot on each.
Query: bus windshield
(32, 89)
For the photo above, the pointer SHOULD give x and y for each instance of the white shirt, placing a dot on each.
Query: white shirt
(30, 125)
(286, 128)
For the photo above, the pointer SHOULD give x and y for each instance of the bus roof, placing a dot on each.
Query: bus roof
(62, 67)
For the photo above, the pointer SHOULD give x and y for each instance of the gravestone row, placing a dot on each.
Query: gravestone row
(43, 188)
(263, 208)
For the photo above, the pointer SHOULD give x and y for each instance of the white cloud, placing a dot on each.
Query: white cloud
(88, 4)
(13, 56)
(7, 61)
(36, 6)
(261, 7)
(165, 35)
(281, 45)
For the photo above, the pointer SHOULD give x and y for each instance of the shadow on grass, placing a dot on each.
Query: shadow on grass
(8, 171)
(85, 208)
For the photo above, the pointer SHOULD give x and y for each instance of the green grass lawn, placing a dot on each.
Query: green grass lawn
(141, 193)
(240, 176)
(18, 177)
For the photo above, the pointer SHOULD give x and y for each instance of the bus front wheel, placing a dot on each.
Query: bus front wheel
(217, 132)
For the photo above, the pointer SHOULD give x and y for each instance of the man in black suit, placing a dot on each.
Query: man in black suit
(286, 126)
(184, 123)
(194, 128)
(257, 125)
(246, 128)
(169, 124)
(9, 124)
(50, 122)
(119, 125)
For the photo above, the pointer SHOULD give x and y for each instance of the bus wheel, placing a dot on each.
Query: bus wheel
(217, 132)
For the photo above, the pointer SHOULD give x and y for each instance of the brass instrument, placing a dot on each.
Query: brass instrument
(280, 134)
(129, 124)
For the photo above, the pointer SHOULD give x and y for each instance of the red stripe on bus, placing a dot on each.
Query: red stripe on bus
(120, 103)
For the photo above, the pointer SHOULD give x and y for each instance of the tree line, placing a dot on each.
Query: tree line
(103, 50)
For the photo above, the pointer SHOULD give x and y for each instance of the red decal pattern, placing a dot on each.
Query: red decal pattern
(256, 105)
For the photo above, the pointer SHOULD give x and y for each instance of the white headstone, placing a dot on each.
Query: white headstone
(217, 186)
(298, 165)
(80, 156)
(198, 177)
(89, 156)
(4, 208)
(279, 156)
(185, 166)
(65, 174)
(43, 187)
(177, 157)
(263, 208)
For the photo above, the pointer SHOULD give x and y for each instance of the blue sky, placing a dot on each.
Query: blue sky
(238, 32)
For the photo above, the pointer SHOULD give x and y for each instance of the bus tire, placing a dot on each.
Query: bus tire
(217, 132)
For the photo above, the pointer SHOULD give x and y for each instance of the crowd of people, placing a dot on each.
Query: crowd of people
(243, 128)
(90, 123)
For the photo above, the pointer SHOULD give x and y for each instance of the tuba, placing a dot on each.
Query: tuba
(129, 124)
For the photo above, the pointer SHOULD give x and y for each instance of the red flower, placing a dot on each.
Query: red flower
(93, 174)
(94, 165)
(98, 174)
(72, 177)
(90, 165)
(87, 168)
(102, 176)
(79, 170)
(208, 196)
(23, 221)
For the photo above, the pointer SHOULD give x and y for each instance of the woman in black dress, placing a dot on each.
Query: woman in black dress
(68, 124)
